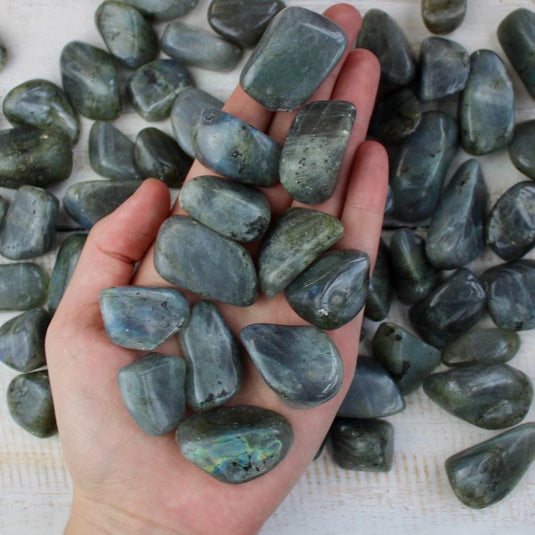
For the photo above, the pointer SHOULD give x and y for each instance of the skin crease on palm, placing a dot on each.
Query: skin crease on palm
(125, 481)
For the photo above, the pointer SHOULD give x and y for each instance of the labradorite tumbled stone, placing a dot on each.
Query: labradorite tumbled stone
(200, 260)
(314, 148)
(162, 10)
(283, 81)
(443, 16)
(380, 291)
(521, 148)
(22, 286)
(235, 210)
(152, 389)
(91, 81)
(491, 396)
(485, 473)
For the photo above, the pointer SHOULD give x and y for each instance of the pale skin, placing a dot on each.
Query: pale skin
(128, 482)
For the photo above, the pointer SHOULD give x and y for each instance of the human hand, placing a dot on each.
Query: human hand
(127, 481)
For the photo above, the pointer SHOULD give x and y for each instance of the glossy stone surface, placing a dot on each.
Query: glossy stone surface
(22, 340)
(491, 396)
(450, 310)
(296, 239)
(300, 364)
(162, 10)
(235, 210)
(200, 260)
(380, 291)
(142, 318)
(364, 445)
(29, 227)
(22, 286)
(42, 104)
(213, 358)
(235, 444)
(242, 21)
(521, 148)
(486, 105)
(453, 242)
(443, 16)
(485, 473)
(282, 81)
(194, 46)
(152, 389)
(90, 80)
(419, 168)
(314, 148)
(332, 290)
(444, 68)
(153, 87)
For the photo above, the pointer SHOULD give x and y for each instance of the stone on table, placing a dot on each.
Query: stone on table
(521, 148)
(163, 10)
(443, 16)
(380, 291)
(22, 286)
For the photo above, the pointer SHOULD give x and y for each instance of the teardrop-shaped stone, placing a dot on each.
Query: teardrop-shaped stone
(213, 358)
(314, 148)
(235, 210)
(235, 444)
(443, 16)
(420, 166)
(491, 396)
(296, 239)
(486, 105)
(364, 445)
(380, 291)
(153, 392)
(22, 286)
(162, 10)
(332, 290)
(22, 340)
(408, 359)
(521, 148)
(42, 104)
(453, 242)
(90, 80)
(200, 260)
(283, 81)
(450, 310)
(486, 472)
(372, 394)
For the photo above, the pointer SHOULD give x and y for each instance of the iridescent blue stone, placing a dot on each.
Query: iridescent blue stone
(22, 286)
(162, 10)
(443, 16)
(380, 291)
(521, 148)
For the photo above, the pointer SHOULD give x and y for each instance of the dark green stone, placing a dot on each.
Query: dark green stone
(521, 148)
(380, 291)
(22, 286)
(443, 16)
(162, 10)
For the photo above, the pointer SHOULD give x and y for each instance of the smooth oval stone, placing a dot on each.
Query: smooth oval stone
(314, 149)
(521, 148)
(194, 46)
(450, 310)
(88, 202)
(407, 358)
(42, 104)
(444, 68)
(22, 286)
(420, 166)
(33, 157)
(213, 358)
(159, 156)
(491, 396)
(486, 105)
(372, 394)
(163, 10)
(380, 291)
(486, 346)
(152, 389)
(296, 239)
(235, 444)
(332, 290)
(29, 227)
(235, 149)
(234, 210)
(241, 21)
(22, 340)
(453, 242)
(90, 81)
(29, 401)
(200, 260)
(153, 87)
(485, 473)
(299, 363)
(128, 35)
(282, 81)
(142, 318)
(364, 445)
(381, 34)
(443, 16)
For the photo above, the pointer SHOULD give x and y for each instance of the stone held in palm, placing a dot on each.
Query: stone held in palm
(22, 286)
(443, 16)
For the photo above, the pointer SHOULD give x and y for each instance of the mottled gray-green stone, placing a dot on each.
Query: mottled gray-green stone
(380, 291)
(162, 10)
(521, 148)
(22, 286)
(443, 16)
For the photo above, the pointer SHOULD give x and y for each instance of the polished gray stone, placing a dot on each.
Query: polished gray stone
(380, 291)
(22, 286)
(521, 148)
(163, 10)
(443, 16)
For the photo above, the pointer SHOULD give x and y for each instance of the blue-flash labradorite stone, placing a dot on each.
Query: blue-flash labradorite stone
(235, 444)
(521, 148)
(299, 363)
(380, 291)
(22, 286)
(443, 16)
(153, 392)
(162, 10)
(142, 318)
(283, 81)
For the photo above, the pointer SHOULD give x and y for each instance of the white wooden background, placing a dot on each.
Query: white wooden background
(414, 498)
